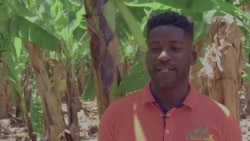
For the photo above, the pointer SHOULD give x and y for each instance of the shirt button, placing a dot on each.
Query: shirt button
(167, 131)
(168, 115)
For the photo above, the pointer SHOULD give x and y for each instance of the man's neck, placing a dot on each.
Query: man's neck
(170, 97)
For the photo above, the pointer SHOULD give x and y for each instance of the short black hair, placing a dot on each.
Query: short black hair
(171, 18)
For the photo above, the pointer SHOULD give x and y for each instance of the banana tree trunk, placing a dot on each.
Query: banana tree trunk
(5, 93)
(194, 72)
(221, 74)
(27, 90)
(73, 103)
(82, 78)
(53, 119)
(18, 104)
(104, 50)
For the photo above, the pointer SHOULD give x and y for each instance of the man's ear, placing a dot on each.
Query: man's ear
(194, 57)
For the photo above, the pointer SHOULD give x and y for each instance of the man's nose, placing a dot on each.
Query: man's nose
(164, 56)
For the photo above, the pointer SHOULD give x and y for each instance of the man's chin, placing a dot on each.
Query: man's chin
(165, 84)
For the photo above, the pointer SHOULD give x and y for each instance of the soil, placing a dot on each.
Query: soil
(14, 129)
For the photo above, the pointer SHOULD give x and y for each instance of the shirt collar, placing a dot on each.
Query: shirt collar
(147, 96)
(190, 100)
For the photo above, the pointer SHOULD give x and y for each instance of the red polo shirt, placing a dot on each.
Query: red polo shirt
(137, 117)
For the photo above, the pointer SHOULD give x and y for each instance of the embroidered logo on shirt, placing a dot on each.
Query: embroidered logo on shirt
(199, 134)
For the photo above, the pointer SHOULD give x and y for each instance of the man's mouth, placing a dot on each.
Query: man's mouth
(164, 70)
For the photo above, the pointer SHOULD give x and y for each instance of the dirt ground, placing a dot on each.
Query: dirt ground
(15, 129)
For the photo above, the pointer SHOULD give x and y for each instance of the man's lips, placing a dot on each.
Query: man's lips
(164, 69)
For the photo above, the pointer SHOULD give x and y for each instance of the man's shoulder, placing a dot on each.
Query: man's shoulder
(213, 106)
(122, 107)
(125, 102)
(128, 99)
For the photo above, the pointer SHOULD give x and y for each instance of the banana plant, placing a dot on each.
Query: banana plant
(60, 33)
(103, 50)
(5, 85)
(16, 58)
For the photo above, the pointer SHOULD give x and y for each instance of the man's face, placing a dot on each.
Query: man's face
(169, 55)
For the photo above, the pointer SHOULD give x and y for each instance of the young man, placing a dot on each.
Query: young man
(168, 108)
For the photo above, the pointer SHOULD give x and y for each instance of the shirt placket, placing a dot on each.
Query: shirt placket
(168, 130)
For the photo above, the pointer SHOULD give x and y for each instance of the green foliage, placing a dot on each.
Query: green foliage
(135, 80)
(89, 92)
(132, 23)
(4, 12)
(4, 40)
(36, 115)
(45, 23)
(246, 77)
(243, 3)
(26, 30)
(201, 31)
(127, 52)
(191, 5)
(15, 58)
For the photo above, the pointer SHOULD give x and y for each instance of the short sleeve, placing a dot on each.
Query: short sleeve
(232, 130)
(107, 126)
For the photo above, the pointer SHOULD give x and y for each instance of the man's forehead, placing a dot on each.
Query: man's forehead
(160, 41)
(168, 33)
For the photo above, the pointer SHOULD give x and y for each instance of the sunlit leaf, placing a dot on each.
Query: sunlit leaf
(24, 29)
(191, 5)
(201, 31)
(151, 5)
(18, 47)
(135, 80)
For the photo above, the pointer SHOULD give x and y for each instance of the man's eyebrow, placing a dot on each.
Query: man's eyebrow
(154, 42)
(176, 41)
(172, 41)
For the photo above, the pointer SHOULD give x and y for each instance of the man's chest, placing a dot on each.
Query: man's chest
(169, 129)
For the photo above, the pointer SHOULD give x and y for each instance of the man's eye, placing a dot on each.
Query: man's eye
(175, 49)
(155, 49)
